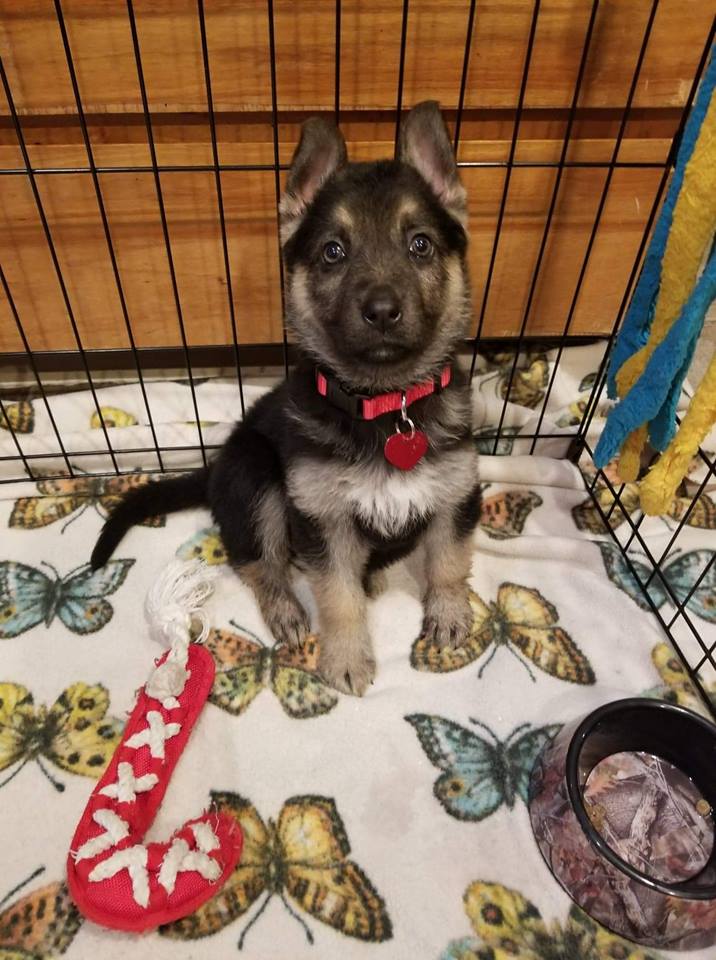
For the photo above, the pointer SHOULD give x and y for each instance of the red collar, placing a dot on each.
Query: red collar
(362, 407)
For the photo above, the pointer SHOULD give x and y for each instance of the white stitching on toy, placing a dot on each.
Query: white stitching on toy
(171, 864)
(115, 829)
(180, 858)
(154, 735)
(133, 859)
(127, 786)
(206, 839)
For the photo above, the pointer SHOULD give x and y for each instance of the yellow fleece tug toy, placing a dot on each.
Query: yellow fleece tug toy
(656, 343)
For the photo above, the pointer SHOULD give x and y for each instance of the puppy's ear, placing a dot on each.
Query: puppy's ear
(320, 152)
(425, 145)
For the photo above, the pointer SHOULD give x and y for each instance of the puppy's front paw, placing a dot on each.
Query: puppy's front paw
(448, 617)
(347, 665)
(288, 621)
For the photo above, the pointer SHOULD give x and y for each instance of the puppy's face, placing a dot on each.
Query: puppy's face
(374, 252)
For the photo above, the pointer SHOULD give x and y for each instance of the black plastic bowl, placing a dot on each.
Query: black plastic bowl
(675, 915)
(674, 734)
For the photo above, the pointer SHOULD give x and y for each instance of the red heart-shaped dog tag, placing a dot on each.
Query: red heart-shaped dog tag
(404, 450)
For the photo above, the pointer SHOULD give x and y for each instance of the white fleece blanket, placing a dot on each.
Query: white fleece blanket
(376, 794)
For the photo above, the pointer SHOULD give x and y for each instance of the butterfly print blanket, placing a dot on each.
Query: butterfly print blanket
(394, 826)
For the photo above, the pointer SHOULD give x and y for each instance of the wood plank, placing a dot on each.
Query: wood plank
(10, 339)
(238, 41)
(132, 210)
(485, 137)
(621, 227)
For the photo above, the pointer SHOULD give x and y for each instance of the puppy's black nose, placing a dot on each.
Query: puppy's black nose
(381, 308)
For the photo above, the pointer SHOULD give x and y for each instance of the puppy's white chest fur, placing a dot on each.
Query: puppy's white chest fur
(378, 495)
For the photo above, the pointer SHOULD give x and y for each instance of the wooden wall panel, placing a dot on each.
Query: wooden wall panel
(237, 31)
(621, 227)
(133, 213)
(622, 224)
(190, 201)
(238, 39)
(9, 335)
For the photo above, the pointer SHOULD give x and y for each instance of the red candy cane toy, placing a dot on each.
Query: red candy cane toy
(114, 877)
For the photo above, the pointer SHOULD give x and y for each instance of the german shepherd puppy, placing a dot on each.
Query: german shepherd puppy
(377, 299)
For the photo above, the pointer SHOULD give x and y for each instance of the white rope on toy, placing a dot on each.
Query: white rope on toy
(154, 735)
(174, 608)
(180, 857)
(133, 859)
(206, 839)
(115, 829)
(127, 786)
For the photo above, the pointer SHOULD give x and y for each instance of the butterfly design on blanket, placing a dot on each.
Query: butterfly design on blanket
(507, 925)
(676, 685)
(577, 409)
(18, 417)
(75, 733)
(28, 596)
(245, 667)
(205, 545)
(112, 417)
(490, 444)
(479, 775)
(70, 497)
(302, 857)
(503, 515)
(521, 620)
(523, 383)
(697, 512)
(40, 925)
(688, 578)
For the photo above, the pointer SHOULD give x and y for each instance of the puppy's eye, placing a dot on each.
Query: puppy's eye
(420, 247)
(333, 252)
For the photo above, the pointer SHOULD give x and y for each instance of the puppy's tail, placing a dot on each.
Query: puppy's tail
(150, 500)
